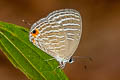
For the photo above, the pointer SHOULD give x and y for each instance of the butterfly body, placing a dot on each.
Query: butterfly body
(58, 34)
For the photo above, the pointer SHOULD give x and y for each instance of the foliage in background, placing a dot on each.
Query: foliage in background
(15, 44)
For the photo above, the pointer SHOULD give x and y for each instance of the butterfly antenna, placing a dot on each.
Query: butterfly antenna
(83, 57)
(88, 58)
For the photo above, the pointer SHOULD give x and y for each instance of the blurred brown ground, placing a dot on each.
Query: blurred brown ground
(100, 38)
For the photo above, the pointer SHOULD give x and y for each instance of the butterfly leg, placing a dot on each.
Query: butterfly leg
(62, 65)
(49, 59)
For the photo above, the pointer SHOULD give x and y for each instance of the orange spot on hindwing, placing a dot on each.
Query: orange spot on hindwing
(35, 32)
(33, 41)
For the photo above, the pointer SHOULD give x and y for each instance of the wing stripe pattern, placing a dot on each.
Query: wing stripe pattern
(57, 29)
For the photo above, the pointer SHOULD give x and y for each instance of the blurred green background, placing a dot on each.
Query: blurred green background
(100, 37)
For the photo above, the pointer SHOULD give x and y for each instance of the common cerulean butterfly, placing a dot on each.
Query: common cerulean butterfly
(58, 34)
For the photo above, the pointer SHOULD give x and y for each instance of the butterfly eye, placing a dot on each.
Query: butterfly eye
(71, 60)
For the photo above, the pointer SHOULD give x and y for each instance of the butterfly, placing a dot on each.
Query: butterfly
(58, 34)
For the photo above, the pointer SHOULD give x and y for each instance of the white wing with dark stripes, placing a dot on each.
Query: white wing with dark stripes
(59, 33)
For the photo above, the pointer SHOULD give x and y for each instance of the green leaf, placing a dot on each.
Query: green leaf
(15, 44)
